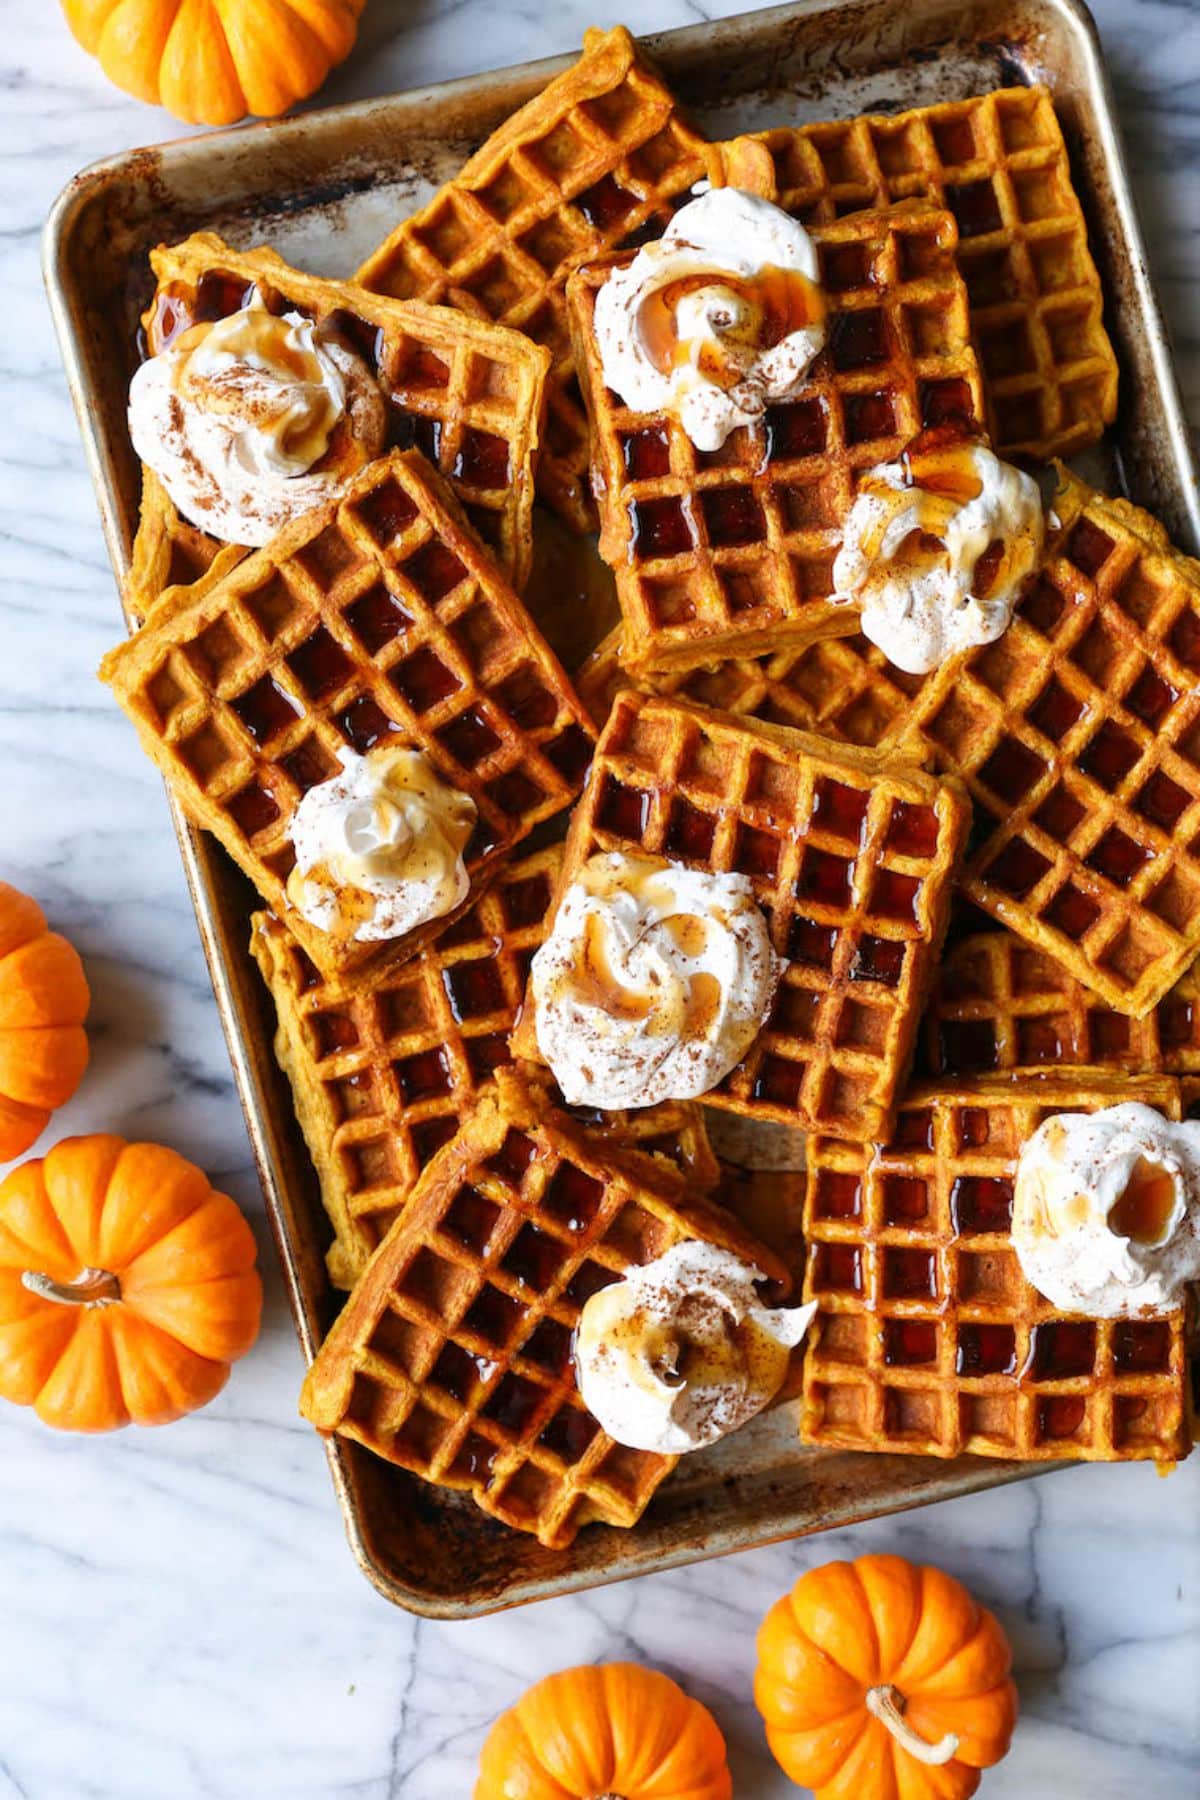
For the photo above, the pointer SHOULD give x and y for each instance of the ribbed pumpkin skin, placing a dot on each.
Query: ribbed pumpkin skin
(190, 1295)
(210, 62)
(611, 1729)
(848, 1627)
(43, 1002)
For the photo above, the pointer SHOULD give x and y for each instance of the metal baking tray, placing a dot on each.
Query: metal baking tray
(324, 189)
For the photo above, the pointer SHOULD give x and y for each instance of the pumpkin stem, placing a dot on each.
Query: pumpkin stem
(91, 1287)
(887, 1705)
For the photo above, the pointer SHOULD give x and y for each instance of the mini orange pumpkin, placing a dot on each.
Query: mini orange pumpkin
(127, 1285)
(211, 62)
(879, 1680)
(610, 1732)
(43, 1002)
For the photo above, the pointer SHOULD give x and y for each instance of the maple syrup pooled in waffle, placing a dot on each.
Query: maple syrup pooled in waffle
(928, 1339)
(850, 857)
(601, 155)
(378, 620)
(470, 395)
(999, 164)
(453, 1356)
(1078, 736)
(998, 1003)
(730, 553)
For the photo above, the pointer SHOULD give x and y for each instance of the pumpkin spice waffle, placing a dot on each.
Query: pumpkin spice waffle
(467, 393)
(452, 1357)
(999, 163)
(850, 857)
(731, 553)
(378, 618)
(385, 1064)
(998, 1003)
(928, 1339)
(1078, 735)
(602, 153)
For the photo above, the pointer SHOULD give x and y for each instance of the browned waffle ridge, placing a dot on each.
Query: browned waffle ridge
(602, 153)
(731, 553)
(379, 617)
(1078, 735)
(850, 855)
(469, 394)
(928, 1339)
(999, 163)
(452, 1357)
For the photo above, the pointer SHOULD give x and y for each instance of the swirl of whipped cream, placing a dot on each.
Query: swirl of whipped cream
(716, 319)
(681, 1351)
(254, 419)
(1106, 1212)
(654, 981)
(380, 846)
(913, 544)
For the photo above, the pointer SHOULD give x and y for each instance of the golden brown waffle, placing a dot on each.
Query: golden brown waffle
(1078, 735)
(452, 1357)
(467, 393)
(378, 618)
(850, 855)
(998, 162)
(731, 553)
(385, 1064)
(928, 1338)
(841, 688)
(998, 1003)
(600, 154)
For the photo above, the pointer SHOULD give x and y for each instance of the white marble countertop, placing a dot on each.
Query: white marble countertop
(180, 1612)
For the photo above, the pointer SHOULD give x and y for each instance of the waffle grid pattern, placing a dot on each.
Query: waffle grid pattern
(468, 394)
(601, 154)
(1078, 735)
(376, 619)
(731, 553)
(999, 164)
(928, 1339)
(850, 859)
(453, 1356)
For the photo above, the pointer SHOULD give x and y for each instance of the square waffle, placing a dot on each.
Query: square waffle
(385, 1064)
(452, 1357)
(999, 163)
(603, 152)
(928, 1339)
(842, 688)
(850, 856)
(998, 1003)
(470, 395)
(731, 553)
(1078, 735)
(379, 617)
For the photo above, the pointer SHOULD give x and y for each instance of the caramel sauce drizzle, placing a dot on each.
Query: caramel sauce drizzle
(777, 302)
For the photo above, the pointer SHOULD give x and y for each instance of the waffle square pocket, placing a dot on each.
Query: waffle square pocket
(467, 393)
(452, 1358)
(849, 855)
(378, 620)
(928, 1339)
(730, 552)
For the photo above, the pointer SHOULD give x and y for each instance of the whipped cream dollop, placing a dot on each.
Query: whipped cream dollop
(716, 319)
(251, 420)
(653, 983)
(681, 1351)
(379, 847)
(935, 551)
(1106, 1213)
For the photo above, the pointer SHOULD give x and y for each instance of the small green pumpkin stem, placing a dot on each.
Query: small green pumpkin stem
(91, 1287)
(887, 1704)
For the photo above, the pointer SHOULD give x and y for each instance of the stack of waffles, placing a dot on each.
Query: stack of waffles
(981, 884)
